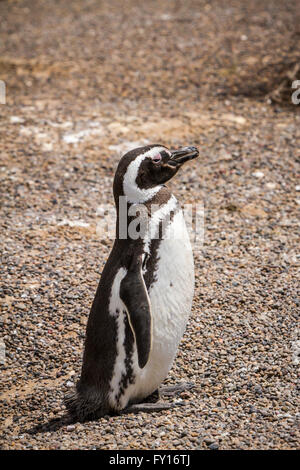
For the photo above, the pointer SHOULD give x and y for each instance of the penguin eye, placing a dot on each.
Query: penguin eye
(157, 158)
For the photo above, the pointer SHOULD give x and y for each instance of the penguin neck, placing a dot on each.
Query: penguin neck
(126, 209)
(137, 195)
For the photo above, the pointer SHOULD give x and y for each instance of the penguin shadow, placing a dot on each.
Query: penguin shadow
(65, 420)
(154, 403)
(55, 424)
(52, 425)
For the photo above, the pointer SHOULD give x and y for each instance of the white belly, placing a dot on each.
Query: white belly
(171, 298)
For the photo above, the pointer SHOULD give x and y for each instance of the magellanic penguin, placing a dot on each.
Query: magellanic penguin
(145, 293)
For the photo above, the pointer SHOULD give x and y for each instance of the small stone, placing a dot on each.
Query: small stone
(258, 174)
(70, 428)
(2, 352)
(16, 119)
(208, 440)
(258, 390)
(21, 306)
(213, 446)
(234, 118)
(271, 185)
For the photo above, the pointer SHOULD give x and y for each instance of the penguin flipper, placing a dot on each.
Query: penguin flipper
(134, 294)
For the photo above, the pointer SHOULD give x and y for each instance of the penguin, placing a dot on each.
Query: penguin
(144, 297)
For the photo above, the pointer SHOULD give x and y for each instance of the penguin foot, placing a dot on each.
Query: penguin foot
(172, 390)
(154, 397)
(149, 407)
(155, 401)
(169, 391)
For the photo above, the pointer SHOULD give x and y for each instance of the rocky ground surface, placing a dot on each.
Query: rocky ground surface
(86, 80)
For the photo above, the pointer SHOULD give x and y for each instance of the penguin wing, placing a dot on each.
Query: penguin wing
(134, 294)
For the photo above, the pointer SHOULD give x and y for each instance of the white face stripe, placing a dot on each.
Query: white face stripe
(130, 187)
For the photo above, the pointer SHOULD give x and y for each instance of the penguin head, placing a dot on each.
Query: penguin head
(142, 171)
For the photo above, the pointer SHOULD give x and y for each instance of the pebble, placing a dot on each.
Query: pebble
(213, 446)
(258, 174)
(2, 351)
(70, 428)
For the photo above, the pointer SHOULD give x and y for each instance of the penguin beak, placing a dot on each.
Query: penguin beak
(180, 156)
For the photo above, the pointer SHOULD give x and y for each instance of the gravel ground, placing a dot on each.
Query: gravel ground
(85, 80)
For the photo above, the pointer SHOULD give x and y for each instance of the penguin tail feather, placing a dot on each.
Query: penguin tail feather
(85, 406)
